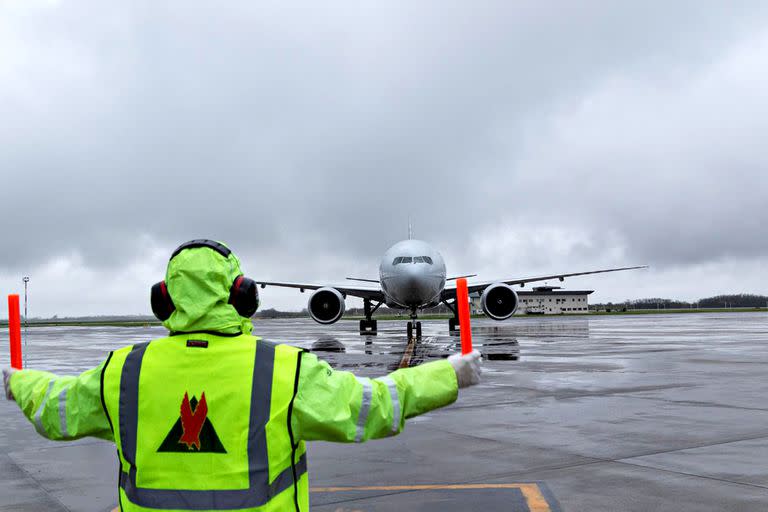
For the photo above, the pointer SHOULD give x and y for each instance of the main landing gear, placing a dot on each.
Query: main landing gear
(413, 325)
(453, 323)
(369, 325)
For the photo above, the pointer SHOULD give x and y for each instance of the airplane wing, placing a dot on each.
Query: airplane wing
(364, 292)
(450, 288)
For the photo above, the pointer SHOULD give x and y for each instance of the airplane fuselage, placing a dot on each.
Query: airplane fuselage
(412, 275)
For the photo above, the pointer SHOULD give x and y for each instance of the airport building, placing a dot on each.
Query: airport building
(547, 300)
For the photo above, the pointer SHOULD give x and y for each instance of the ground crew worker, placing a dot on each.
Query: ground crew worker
(213, 418)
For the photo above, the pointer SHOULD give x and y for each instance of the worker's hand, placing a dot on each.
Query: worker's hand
(7, 372)
(467, 368)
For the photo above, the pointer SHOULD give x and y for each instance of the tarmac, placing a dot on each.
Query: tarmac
(609, 413)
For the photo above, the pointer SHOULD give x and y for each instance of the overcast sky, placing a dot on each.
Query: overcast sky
(521, 137)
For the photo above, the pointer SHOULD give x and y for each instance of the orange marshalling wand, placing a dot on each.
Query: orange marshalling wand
(14, 330)
(462, 303)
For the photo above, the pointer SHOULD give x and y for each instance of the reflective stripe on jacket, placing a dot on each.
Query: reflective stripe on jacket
(329, 405)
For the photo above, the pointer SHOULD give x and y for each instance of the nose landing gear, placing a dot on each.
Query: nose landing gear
(414, 325)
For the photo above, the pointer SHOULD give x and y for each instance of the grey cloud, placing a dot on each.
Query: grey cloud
(319, 129)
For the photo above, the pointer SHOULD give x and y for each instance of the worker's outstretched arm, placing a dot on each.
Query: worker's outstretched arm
(338, 406)
(61, 408)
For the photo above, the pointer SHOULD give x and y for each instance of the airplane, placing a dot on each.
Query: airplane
(412, 277)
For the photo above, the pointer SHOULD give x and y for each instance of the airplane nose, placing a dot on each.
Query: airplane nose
(414, 289)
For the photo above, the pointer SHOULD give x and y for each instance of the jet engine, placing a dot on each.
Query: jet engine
(326, 305)
(499, 301)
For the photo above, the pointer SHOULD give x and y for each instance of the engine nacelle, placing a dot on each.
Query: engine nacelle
(326, 305)
(499, 301)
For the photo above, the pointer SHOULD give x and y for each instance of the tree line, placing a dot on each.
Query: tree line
(740, 300)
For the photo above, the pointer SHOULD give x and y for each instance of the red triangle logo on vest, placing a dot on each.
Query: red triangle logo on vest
(193, 432)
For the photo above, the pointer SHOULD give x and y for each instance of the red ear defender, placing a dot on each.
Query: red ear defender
(162, 305)
(244, 296)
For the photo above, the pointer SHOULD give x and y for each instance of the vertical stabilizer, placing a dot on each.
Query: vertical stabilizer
(410, 229)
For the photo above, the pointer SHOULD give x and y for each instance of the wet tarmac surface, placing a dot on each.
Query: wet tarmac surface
(635, 413)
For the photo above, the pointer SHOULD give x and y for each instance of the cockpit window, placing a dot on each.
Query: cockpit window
(414, 259)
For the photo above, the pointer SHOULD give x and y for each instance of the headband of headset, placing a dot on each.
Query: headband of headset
(202, 242)
(243, 294)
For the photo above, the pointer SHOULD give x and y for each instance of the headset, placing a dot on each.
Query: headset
(243, 294)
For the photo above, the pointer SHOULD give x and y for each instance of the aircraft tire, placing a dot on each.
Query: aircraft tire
(368, 327)
(418, 330)
(410, 330)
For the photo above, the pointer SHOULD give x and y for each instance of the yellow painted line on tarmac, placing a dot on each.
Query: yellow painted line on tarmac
(531, 492)
(536, 500)
(405, 361)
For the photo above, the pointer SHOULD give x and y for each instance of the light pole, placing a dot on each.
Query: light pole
(26, 334)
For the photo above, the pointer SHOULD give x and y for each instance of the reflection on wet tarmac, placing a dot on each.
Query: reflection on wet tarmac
(328, 344)
(494, 345)
(545, 342)
(70, 350)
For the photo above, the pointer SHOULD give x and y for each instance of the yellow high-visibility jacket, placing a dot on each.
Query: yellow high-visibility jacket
(209, 422)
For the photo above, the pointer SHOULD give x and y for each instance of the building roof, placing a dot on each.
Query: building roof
(546, 288)
(558, 292)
